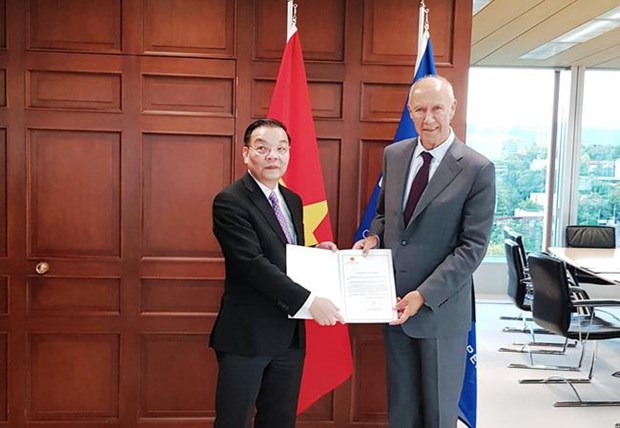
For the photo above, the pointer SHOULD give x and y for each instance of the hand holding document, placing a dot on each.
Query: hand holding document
(361, 286)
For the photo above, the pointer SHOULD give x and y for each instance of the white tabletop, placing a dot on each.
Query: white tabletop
(601, 262)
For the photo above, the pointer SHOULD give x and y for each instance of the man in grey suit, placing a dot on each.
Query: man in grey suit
(437, 243)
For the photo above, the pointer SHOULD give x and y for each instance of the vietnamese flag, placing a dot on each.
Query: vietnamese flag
(328, 351)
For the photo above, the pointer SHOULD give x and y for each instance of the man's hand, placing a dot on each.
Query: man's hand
(408, 306)
(366, 244)
(325, 312)
(327, 245)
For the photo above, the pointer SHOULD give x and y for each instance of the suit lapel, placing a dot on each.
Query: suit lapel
(257, 197)
(402, 164)
(447, 171)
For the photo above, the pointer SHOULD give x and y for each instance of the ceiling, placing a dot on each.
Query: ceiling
(504, 30)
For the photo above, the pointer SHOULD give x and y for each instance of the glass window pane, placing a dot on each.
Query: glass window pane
(509, 115)
(599, 172)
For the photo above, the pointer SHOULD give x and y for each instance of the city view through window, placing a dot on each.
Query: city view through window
(509, 120)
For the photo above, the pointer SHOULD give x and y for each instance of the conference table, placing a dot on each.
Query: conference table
(603, 263)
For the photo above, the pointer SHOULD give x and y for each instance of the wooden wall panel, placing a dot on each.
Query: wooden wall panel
(329, 152)
(387, 23)
(73, 376)
(4, 377)
(73, 296)
(177, 377)
(70, 25)
(3, 24)
(180, 296)
(3, 89)
(74, 193)
(190, 27)
(371, 159)
(383, 102)
(3, 194)
(194, 95)
(4, 295)
(49, 89)
(321, 29)
(182, 175)
(369, 385)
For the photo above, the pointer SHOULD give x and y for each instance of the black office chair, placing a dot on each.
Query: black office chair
(519, 291)
(518, 239)
(585, 236)
(519, 287)
(554, 310)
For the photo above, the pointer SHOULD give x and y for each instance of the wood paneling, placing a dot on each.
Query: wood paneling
(197, 95)
(74, 193)
(49, 89)
(329, 152)
(387, 23)
(3, 88)
(73, 376)
(2, 24)
(74, 296)
(74, 25)
(182, 175)
(371, 159)
(321, 29)
(4, 378)
(178, 27)
(177, 377)
(369, 386)
(383, 102)
(4, 295)
(181, 296)
(3, 194)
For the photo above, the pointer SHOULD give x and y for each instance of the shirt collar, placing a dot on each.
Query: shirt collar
(266, 190)
(438, 152)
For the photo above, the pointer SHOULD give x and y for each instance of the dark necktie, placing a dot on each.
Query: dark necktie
(417, 186)
(273, 198)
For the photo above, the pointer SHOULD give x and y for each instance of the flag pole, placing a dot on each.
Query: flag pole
(423, 31)
(291, 19)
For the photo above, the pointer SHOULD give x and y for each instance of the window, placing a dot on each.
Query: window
(598, 186)
(509, 120)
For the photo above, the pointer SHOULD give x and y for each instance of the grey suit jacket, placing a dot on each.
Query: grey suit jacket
(446, 238)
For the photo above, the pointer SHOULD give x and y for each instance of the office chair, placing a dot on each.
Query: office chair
(584, 236)
(519, 287)
(518, 239)
(519, 290)
(554, 310)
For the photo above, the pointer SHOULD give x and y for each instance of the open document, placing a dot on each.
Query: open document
(362, 287)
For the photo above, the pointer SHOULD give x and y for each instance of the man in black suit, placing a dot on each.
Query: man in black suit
(260, 350)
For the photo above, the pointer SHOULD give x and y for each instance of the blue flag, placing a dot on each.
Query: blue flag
(425, 66)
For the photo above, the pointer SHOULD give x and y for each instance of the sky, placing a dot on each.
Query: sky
(503, 97)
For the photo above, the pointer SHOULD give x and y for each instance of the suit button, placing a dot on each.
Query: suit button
(403, 242)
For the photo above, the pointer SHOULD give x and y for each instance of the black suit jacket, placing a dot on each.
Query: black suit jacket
(258, 296)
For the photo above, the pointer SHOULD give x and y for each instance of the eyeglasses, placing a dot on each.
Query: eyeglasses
(264, 150)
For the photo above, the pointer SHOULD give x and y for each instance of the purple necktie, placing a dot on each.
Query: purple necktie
(417, 186)
(273, 198)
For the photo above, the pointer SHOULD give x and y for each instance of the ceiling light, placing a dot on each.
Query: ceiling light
(591, 29)
(547, 50)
